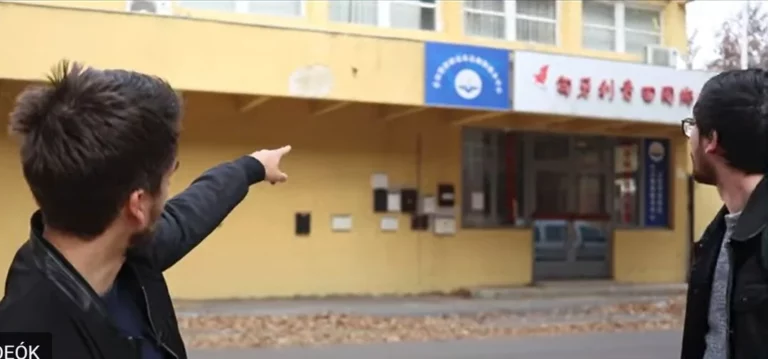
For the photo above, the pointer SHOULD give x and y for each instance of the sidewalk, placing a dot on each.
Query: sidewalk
(484, 313)
(548, 297)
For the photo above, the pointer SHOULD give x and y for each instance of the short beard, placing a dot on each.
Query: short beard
(142, 238)
(704, 174)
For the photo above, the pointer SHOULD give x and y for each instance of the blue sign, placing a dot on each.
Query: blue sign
(656, 162)
(466, 76)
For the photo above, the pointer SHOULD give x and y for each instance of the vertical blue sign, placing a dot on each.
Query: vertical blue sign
(656, 162)
(466, 76)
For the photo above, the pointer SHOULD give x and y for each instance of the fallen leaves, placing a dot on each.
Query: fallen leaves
(233, 331)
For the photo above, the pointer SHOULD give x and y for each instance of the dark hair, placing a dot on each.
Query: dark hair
(89, 138)
(734, 104)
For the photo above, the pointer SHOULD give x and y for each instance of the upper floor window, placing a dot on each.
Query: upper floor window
(614, 26)
(521, 20)
(265, 7)
(402, 14)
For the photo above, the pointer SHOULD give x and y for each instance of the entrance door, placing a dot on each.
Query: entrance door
(570, 178)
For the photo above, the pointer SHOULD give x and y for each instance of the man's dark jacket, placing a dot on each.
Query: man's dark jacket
(43, 292)
(748, 327)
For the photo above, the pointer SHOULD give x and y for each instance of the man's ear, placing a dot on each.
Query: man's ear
(135, 208)
(710, 142)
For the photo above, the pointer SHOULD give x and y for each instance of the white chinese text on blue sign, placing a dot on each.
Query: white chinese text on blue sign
(656, 159)
(466, 76)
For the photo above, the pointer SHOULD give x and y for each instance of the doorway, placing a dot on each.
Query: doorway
(571, 178)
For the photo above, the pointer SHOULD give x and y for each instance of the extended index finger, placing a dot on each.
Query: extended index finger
(284, 150)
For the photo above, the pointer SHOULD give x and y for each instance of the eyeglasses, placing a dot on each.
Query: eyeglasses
(688, 125)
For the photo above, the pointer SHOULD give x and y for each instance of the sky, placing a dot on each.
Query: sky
(707, 16)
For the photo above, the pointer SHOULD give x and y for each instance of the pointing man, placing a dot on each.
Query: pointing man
(98, 148)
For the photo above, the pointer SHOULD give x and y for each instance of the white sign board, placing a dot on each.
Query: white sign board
(584, 87)
(444, 226)
(341, 223)
(625, 158)
(389, 224)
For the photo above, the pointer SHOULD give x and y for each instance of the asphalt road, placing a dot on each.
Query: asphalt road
(648, 345)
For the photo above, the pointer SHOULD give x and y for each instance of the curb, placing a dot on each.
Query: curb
(545, 291)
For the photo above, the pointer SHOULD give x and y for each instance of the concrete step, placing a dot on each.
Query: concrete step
(412, 306)
(579, 289)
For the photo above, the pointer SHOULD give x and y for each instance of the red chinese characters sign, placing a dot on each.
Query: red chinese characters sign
(607, 88)
(552, 84)
(686, 96)
(626, 91)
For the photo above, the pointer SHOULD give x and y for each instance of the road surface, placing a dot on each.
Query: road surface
(648, 345)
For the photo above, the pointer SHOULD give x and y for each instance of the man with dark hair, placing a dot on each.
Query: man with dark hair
(97, 149)
(727, 307)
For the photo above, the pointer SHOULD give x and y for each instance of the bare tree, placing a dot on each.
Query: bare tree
(693, 50)
(729, 50)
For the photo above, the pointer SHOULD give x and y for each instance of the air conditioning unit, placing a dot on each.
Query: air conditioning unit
(661, 56)
(150, 7)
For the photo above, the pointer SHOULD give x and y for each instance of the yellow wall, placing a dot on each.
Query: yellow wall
(231, 55)
(18, 204)
(254, 252)
(708, 203)
(330, 169)
(195, 55)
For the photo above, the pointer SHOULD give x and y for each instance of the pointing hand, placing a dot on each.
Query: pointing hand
(271, 161)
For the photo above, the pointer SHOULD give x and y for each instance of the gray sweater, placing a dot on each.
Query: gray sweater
(719, 305)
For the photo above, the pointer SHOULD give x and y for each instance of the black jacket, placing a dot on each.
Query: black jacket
(43, 293)
(748, 332)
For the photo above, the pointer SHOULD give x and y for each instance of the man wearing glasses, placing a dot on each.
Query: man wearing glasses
(727, 307)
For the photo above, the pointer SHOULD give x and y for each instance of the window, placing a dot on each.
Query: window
(642, 27)
(264, 7)
(520, 178)
(552, 191)
(399, 14)
(520, 20)
(591, 234)
(556, 233)
(221, 5)
(599, 26)
(492, 183)
(614, 26)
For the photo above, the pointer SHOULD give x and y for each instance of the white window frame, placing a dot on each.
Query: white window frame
(510, 17)
(241, 7)
(658, 10)
(620, 27)
(384, 11)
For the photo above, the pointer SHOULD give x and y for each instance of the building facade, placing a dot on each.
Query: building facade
(437, 144)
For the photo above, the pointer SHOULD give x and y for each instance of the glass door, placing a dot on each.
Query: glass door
(570, 178)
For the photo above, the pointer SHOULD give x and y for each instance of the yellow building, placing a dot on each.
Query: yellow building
(521, 168)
